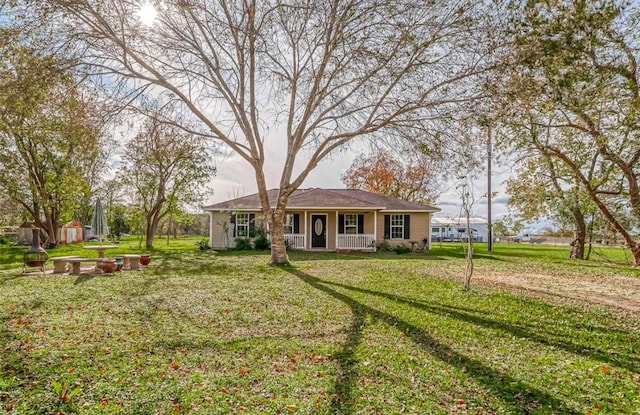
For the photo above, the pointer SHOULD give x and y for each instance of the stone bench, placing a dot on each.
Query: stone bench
(60, 263)
(76, 262)
(131, 261)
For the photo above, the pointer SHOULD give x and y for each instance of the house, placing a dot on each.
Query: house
(455, 229)
(327, 219)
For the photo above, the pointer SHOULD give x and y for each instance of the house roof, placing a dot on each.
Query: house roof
(316, 198)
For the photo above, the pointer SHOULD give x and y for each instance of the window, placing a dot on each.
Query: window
(435, 230)
(242, 225)
(288, 223)
(350, 223)
(397, 226)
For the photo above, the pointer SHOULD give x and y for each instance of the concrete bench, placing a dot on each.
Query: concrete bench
(131, 261)
(75, 263)
(60, 263)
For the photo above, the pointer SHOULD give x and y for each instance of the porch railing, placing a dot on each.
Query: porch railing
(356, 241)
(295, 240)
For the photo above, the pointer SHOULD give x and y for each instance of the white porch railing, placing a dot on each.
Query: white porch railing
(356, 241)
(295, 240)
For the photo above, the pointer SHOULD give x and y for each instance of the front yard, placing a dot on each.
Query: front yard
(344, 334)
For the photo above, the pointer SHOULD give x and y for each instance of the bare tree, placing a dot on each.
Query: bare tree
(314, 74)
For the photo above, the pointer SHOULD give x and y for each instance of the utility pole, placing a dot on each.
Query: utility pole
(490, 244)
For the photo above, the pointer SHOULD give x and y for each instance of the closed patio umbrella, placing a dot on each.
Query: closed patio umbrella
(98, 221)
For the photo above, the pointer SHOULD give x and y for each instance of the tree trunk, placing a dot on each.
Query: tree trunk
(577, 246)
(150, 233)
(279, 255)
(635, 252)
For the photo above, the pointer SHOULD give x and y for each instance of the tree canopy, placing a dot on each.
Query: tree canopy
(305, 77)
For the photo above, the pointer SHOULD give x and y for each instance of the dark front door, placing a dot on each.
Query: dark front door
(318, 231)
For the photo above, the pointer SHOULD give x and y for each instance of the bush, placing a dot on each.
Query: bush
(243, 244)
(383, 246)
(261, 243)
(401, 249)
(203, 245)
(4, 241)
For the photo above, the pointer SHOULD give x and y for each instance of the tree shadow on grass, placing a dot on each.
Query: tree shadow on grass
(629, 362)
(519, 396)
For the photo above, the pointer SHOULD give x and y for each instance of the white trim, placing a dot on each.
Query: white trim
(337, 229)
(305, 230)
(375, 228)
(211, 229)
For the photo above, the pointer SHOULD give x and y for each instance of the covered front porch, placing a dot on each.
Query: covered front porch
(332, 231)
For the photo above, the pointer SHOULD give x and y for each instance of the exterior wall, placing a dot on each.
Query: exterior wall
(419, 228)
(218, 238)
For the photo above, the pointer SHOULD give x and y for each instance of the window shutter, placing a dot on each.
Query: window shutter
(340, 223)
(407, 227)
(232, 220)
(387, 226)
(296, 223)
(252, 223)
(361, 224)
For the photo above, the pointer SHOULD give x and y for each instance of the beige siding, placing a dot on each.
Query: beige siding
(220, 222)
(419, 228)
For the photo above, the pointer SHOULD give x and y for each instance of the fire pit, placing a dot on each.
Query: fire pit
(36, 256)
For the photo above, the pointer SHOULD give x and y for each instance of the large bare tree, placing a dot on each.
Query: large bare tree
(309, 76)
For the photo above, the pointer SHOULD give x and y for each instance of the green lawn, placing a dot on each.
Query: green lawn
(344, 334)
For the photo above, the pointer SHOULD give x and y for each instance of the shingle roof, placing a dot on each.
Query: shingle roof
(315, 198)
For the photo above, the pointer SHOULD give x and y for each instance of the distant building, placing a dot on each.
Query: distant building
(455, 229)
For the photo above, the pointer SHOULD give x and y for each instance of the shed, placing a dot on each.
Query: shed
(71, 233)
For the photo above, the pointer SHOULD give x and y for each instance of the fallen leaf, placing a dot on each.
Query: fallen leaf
(604, 369)
(224, 390)
(292, 408)
(174, 365)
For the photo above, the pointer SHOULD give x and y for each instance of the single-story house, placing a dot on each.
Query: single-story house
(327, 219)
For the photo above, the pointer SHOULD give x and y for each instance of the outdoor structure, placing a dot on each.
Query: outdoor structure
(25, 233)
(71, 233)
(455, 229)
(327, 219)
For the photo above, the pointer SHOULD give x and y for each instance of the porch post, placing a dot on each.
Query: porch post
(304, 245)
(375, 229)
(211, 229)
(337, 230)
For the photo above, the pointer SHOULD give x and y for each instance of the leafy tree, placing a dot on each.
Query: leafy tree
(574, 70)
(540, 189)
(49, 131)
(380, 173)
(164, 167)
(118, 221)
(314, 75)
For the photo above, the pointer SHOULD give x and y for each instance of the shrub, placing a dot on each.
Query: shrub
(383, 246)
(203, 245)
(261, 243)
(4, 241)
(243, 244)
(401, 249)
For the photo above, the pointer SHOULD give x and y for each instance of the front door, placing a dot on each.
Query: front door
(318, 231)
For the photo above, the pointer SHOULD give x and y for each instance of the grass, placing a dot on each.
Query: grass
(339, 334)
